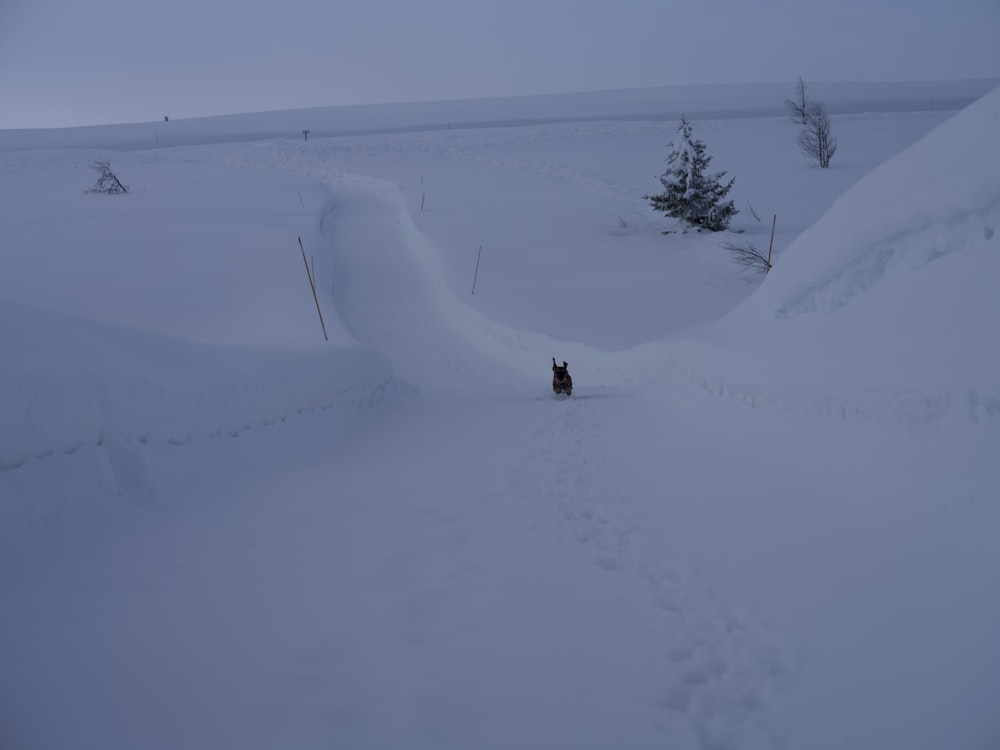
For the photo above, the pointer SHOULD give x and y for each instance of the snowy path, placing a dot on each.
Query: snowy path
(528, 554)
(518, 599)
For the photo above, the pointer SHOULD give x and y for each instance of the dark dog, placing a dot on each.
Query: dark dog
(561, 381)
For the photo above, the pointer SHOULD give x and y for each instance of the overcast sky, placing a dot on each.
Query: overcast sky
(78, 62)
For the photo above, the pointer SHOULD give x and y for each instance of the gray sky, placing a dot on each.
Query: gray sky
(78, 62)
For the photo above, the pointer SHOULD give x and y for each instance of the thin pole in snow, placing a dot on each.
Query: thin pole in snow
(313, 287)
(773, 222)
(476, 275)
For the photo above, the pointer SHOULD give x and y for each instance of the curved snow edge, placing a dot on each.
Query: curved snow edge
(67, 382)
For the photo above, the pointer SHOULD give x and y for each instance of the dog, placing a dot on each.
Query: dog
(561, 380)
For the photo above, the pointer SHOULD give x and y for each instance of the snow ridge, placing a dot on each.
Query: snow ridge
(78, 382)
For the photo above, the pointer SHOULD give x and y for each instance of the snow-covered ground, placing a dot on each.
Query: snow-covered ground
(767, 517)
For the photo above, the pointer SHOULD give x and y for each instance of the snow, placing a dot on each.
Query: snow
(767, 516)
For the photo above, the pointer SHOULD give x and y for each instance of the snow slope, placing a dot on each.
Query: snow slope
(874, 300)
(766, 517)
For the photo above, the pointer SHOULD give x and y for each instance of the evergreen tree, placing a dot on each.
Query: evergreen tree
(689, 193)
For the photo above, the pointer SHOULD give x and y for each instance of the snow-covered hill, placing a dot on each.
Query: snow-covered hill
(766, 517)
(639, 105)
(874, 307)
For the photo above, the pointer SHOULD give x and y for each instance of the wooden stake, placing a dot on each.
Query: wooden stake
(300, 200)
(422, 198)
(313, 287)
(773, 222)
(476, 275)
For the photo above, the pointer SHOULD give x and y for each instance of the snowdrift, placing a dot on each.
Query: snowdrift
(67, 381)
(940, 196)
(876, 307)
(178, 311)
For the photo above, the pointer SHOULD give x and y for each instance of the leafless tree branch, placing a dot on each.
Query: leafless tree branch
(798, 106)
(748, 256)
(107, 183)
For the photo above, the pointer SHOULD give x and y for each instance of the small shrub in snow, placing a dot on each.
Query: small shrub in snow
(690, 194)
(749, 256)
(107, 183)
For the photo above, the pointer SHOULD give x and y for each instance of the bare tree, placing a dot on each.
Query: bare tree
(108, 182)
(798, 106)
(816, 138)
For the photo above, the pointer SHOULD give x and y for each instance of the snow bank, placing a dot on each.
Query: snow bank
(66, 382)
(878, 307)
(177, 311)
(940, 196)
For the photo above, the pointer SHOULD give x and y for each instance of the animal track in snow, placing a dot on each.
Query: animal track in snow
(715, 673)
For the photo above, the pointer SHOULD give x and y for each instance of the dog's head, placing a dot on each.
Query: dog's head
(559, 373)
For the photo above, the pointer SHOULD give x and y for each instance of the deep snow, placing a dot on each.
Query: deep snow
(767, 517)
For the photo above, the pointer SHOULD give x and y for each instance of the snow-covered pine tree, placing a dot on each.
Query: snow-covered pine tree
(690, 194)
